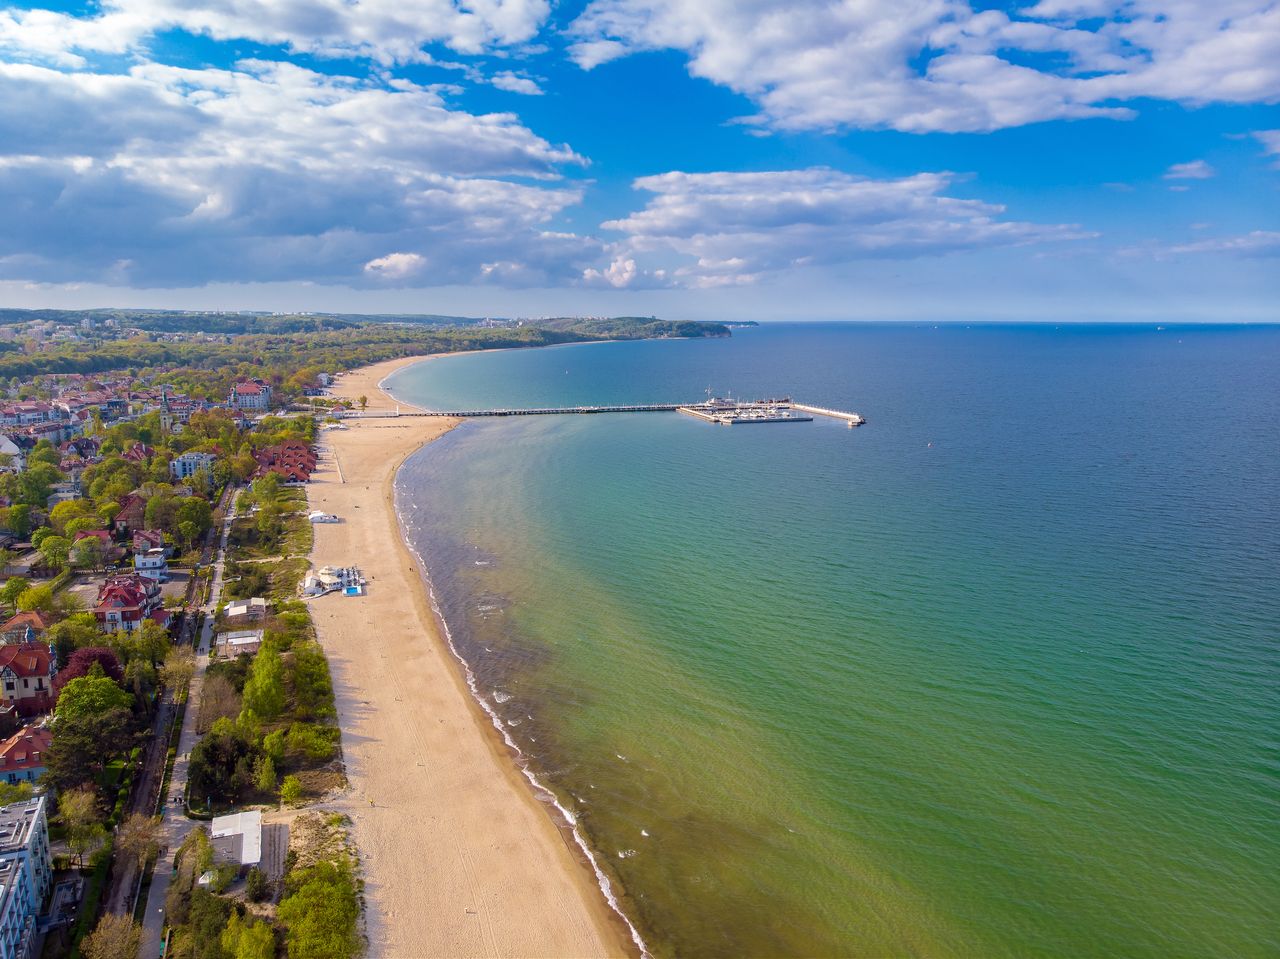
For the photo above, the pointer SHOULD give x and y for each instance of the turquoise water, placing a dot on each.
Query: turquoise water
(997, 674)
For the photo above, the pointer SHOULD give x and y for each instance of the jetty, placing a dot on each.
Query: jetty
(719, 411)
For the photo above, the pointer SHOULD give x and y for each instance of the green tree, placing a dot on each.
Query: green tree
(149, 642)
(74, 632)
(79, 814)
(20, 520)
(87, 696)
(265, 775)
(88, 553)
(36, 482)
(179, 667)
(44, 452)
(264, 691)
(83, 524)
(83, 745)
(256, 886)
(65, 512)
(246, 939)
(36, 598)
(13, 587)
(320, 913)
(55, 550)
(162, 511)
(291, 790)
(312, 687)
(197, 512)
(14, 792)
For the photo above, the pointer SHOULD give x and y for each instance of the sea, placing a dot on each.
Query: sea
(996, 674)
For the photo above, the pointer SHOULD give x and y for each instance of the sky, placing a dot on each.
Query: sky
(692, 159)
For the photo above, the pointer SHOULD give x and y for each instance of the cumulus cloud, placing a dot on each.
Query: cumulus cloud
(1195, 170)
(942, 65)
(166, 176)
(737, 227)
(389, 31)
(396, 266)
(513, 83)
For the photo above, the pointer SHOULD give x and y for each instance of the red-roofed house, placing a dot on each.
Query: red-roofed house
(250, 395)
(26, 678)
(292, 462)
(15, 630)
(125, 602)
(139, 453)
(22, 755)
(133, 510)
(145, 539)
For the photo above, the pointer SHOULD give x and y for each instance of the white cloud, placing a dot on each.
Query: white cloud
(1270, 140)
(389, 31)
(513, 83)
(619, 273)
(269, 172)
(939, 65)
(1195, 170)
(1259, 243)
(396, 266)
(737, 227)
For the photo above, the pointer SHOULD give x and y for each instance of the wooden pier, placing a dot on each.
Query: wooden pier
(714, 412)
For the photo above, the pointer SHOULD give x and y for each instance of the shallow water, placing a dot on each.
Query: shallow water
(996, 674)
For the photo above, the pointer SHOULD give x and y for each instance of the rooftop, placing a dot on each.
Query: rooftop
(16, 822)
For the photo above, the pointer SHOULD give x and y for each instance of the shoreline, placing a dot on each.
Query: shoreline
(473, 863)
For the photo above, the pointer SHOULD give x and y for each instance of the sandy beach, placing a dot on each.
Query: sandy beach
(459, 857)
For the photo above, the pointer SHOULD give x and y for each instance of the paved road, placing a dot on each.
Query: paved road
(174, 823)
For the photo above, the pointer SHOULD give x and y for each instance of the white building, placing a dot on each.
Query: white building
(250, 610)
(9, 448)
(237, 838)
(250, 395)
(26, 874)
(184, 466)
(231, 645)
(152, 563)
(319, 516)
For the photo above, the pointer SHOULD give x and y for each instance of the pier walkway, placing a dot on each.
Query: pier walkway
(853, 419)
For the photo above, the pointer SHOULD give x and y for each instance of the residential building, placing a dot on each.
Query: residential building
(152, 563)
(184, 466)
(22, 755)
(25, 627)
(133, 510)
(26, 874)
(145, 539)
(125, 602)
(250, 395)
(292, 462)
(139, 453)
(26, 677)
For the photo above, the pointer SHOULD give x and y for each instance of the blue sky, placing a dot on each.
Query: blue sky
(862, 159)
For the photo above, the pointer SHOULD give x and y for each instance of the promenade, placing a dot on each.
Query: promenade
(174, 822)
